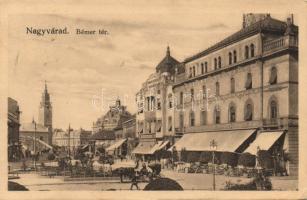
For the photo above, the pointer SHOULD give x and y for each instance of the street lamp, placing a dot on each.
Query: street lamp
(213, 147)
(35, 145)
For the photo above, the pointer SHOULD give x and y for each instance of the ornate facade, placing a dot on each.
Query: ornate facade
(113, 119)
(247, 81)
(155, 102)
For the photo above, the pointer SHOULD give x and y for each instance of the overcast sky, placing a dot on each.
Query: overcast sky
(79, 68)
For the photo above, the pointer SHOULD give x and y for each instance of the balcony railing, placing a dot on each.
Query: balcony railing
(225, 126)
(280, 43)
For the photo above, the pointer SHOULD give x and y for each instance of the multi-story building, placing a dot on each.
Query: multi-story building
(73, 139)
(155, 102)
(14, 151)
(245, 86)
(112, 119)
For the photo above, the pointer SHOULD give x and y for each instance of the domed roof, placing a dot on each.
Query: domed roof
(167, 64)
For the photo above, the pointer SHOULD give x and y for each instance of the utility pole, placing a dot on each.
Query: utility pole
(69, 140)
(35, 145)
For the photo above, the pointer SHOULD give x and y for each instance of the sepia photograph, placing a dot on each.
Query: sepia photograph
(172, 100)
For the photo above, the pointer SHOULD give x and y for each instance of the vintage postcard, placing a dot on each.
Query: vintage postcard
(136, 99)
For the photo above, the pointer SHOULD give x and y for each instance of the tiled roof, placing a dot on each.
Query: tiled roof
(266, 25)
(167, 64)
(103, 135)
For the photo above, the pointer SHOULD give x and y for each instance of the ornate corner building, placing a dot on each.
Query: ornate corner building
(241, 92)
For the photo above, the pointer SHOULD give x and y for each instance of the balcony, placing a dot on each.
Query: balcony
(225, 126)
(280, 44)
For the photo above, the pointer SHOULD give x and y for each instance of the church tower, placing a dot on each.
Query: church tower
(45, 112)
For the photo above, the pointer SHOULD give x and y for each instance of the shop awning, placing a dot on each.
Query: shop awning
(264, 141)
(116, 144)
(228, 141)
(156, 147)
(144, 148)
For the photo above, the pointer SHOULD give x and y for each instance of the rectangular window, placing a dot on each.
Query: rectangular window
(203, 117)
(192, 94)
(204, 91)
(158, 125)
(181, 98)
(170, 125)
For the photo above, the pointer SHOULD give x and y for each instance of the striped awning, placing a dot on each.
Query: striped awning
(116, 144)
(144, 148)
(264, 141)
(227, 141)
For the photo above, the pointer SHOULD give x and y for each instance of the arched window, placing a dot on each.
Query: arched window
(217, 116)
(249, 81)
(190, 76)
(220, 62)
(215, 63)
(273, 109)
(202, 68)
(232, 113)
(246, 52)
(192, 94)
(232, 85)
(248, 112)
(252, 50)
(206, 67)
(230, 58)
(273, 76)
(192, 119)
(193, 71)
(234, 56)
(217, 89)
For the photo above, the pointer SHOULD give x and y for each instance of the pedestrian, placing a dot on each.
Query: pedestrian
(134, 180)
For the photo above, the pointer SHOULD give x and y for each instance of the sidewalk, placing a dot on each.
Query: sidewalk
(191, 181)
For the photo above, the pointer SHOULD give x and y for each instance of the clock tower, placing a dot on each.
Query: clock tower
(45, 112)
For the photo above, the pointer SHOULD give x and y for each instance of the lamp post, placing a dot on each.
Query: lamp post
(34, 146)
(213, 147)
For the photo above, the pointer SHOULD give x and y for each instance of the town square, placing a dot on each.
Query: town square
(165, 116)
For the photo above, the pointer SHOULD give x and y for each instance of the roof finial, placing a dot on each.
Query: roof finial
(168, 52)
(45, 85)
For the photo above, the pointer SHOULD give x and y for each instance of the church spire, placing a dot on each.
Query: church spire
(46, 87)
(168, 52)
